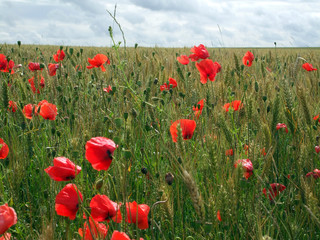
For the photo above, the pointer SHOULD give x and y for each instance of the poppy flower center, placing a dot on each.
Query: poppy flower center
(109, 153)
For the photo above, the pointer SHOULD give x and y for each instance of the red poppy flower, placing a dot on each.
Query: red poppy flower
(199, 52)
(6, 66)
(308, 67)
(28, 110)
(229, 152)
(78, 68)
(316, 118)
(183, 59)
(103, 209)
(315, 174)
(12, 106)
(47, 110)
(99, 151)
(4, 149)
(108, 89)
(248, 59)
(67, 201)
(8, 218)
(119, 236)
(33, 87)
(6, 236)
(63, 169)
(35, 66)
(52, 68)
(166, 86)
(187, 126)
(208, 69)
(219, 216)
(138, 214)
(263, 151)
(282, 125)
(198, 108)
(247, 167)
(98, 61)
(236, 105)
(94, 231)
(59, 56)
(317, 148)
(274, 190)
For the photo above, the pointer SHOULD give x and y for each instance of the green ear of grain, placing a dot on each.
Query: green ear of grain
(303, 102)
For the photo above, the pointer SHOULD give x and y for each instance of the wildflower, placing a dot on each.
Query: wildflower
(108, 89)
(282, 125)
(12, 106)
(63, 169)
(199, 52)
(67, 201)
(47, 110)
(59, 56)
(6, 236)
(315, 173)
(6, 66)
(35, 66)
(248, 59)
(8, 218)
(119, 236)
(263, 151)
(98, 61)
(28, 110)
(4, 149)
(95, 230)
(317, 148)
(219, 216)
(138, 214)
(236, 105)
(208, 69)
(308, 67)
(183, 59)
(229, 152)
(274, 190)
(78, 68)
(316, 118)
(99, 151)
(52, 68)
(187, 126)
(198, 108)
(172, 84)
(103, 209)
(247, 167)
(33, 88)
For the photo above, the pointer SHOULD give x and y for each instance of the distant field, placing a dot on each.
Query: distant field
(136, 115)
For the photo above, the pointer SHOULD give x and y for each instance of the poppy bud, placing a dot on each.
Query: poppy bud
(125, 116)
(169, 178)
(256, 86)
(99, 184)
(81, 51)
(133, 112)
(61, 47)
(144, 171)
(264, 98)
(155, 81)
(19, 43)
(71, 51)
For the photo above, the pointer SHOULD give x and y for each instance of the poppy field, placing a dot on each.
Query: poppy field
(159, 143)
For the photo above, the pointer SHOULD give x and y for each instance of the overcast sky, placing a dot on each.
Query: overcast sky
(163, 23)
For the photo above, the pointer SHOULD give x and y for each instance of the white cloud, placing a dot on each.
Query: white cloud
(162, 22)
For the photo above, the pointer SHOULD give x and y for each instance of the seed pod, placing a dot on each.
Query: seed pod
(169, 178)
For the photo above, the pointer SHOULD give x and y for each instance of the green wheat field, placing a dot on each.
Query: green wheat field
(192, 187)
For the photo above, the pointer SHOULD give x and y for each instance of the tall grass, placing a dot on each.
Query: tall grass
(137, 117)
